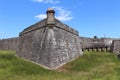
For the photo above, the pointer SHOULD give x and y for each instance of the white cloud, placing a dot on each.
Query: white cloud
(47, 1)
(38, 1)
(41, 16)
(63, 14)
(52, 1)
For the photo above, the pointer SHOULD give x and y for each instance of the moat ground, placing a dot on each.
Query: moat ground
(90, 66)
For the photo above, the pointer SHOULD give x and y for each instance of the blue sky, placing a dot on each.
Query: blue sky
(89, 17)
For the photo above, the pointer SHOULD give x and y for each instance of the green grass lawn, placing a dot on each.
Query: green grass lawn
(90, 66)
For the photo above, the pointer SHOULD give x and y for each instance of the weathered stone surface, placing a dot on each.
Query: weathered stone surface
(96, 43)
(115, 48)
(49, 42)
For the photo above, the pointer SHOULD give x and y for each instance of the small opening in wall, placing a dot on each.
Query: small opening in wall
(44, 30)
(50, 27)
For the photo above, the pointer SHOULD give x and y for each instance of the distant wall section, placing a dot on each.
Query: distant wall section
(9, 44)
(97, 44)
(115, 48)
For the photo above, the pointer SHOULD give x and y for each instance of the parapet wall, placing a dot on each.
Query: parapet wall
(65, 27)
(42, 24)
(34, 27)
(9, 44)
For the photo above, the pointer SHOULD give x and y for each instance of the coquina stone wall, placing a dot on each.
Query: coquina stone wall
(49, 42)
(86, 42)
(99, 44)
(9, 44)
(115, 48)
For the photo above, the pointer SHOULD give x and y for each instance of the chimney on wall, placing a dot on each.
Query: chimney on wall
(50, 17)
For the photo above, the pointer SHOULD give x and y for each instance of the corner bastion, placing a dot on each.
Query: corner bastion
(49, 42)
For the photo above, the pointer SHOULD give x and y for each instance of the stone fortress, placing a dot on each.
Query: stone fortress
(52, 44)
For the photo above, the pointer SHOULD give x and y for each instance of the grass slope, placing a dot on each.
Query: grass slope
(90, 66)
